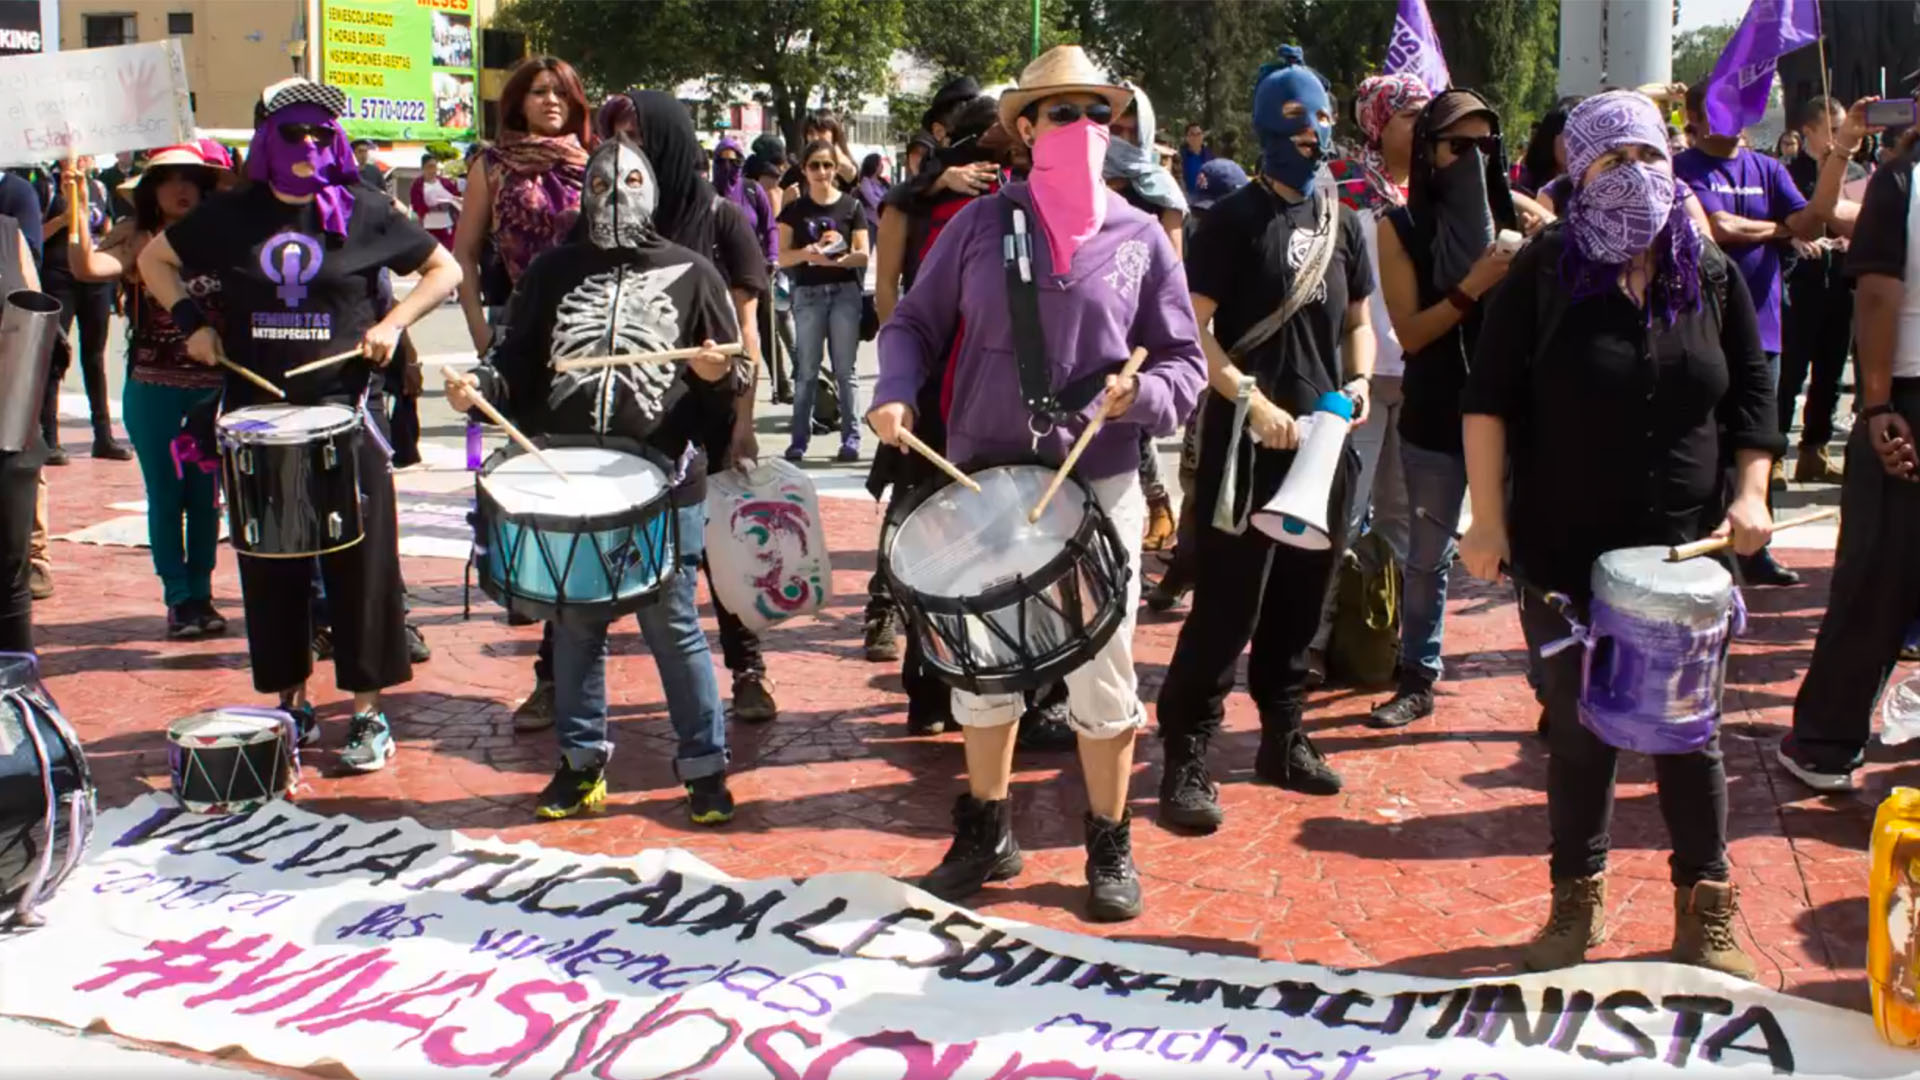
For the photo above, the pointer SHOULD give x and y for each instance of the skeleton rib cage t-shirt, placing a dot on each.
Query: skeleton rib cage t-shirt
(292, 292)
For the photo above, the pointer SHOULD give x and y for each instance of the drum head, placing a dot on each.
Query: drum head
(600, 481)
(236, 726)
(958, 543)
(1695, 593)
(286, 424)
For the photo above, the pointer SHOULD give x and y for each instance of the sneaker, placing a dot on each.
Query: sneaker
(708, 800)
(882, 636)
(796, 453)
(1819, 778)
(1406, 706)
(1316, 668)
(323, 644)
(753, 698)
(1189, 799)
(536, 713)
(1761, 568)
(181, 625)
(1816, 466)
(571, 792)
(848, 452)
(56, 455)
(934, 719)
(1163, 597)
(306, 726)
(1046, 729)
(369, 743)
(209, 617)
(107, 449)
(1289, 759)
(1576, 922)
(1113, 885)
(417, 650)
(983, 850)
(39, 580)
(1703, 918)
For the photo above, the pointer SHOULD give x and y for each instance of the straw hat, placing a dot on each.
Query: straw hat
(173, 155)
(1063, 69)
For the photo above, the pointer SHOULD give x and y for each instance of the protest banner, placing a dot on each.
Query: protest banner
(407, 66)
(396, 951)
(93, 102)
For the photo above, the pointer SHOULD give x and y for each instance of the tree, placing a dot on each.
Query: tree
(1696, 51)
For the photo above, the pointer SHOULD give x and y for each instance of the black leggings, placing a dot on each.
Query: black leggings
(1580, 775)
(91, 305)
(19, 486)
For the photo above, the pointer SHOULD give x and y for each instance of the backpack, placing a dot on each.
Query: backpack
(1363, 649)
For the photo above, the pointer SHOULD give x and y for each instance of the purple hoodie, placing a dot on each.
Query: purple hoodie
(749, 196)
(1127, 289)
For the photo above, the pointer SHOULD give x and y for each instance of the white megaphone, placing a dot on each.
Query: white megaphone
(1297, 513)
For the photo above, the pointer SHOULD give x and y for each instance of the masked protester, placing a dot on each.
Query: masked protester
(1280, 270)
(620, 288)
(1617, 371)
(1436, 263)
(1108, 282)
(299, 255)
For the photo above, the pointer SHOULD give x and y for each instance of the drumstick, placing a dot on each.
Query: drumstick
(1131, 367)
(731, 348)
(1711, 544)
(325, 361)
(913, 443)
(251, 377)
(514, 433)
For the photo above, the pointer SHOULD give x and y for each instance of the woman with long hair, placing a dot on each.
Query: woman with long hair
(525, 194)
(1545, 160)
(823, 126)
(1618, 373)
(823, 241)
(871, 190)
(164, 385)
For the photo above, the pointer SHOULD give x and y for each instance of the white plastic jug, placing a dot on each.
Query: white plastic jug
(766, 547)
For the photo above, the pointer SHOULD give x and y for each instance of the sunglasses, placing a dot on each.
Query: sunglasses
(298, 133)
(1067, 112)
(1461, 144)
(819, 166)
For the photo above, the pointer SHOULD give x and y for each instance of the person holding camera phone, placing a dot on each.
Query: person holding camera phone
(823, 242)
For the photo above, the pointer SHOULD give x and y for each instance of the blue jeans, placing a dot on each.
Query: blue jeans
(1436, 483)
(671, 628)
(825, 317)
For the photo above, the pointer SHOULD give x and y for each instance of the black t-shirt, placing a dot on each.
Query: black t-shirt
(1879, 243)
(1244, 256)
(1430, 389)
(578, 300)
(56, 268)
(292, 292)
(1622, 436)
(737, 252)
(810, 221)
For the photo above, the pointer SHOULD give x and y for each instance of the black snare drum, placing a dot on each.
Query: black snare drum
(1003, 605)
(292, 480)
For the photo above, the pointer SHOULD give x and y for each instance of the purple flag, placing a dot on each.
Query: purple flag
(1415, 48)
(1737, 90)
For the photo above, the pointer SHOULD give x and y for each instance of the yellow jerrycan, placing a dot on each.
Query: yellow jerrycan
(1893, 920)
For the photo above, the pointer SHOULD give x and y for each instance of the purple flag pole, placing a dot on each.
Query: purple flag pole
(1415, 48)
(1741, 80)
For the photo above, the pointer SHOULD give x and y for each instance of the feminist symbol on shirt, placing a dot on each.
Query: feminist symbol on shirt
(290, 260)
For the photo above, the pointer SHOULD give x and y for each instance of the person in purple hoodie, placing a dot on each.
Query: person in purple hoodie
(1108, 282)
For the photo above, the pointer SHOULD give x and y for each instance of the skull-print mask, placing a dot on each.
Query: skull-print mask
(620, 196)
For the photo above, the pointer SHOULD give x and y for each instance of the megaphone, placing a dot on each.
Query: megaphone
(1297, 513)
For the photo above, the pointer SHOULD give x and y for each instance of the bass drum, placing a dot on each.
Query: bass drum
(46, 793)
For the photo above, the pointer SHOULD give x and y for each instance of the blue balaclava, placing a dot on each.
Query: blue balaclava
(1290, 79)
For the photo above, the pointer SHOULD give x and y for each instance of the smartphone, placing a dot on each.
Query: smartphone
(1894, 113)
(1507, 242)
(839, 247)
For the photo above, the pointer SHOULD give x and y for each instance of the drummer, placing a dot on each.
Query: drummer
(624, 288)
(1657, 380)
(298, 255)
(1108, 281)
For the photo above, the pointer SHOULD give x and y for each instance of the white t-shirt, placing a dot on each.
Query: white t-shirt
(1388, 359)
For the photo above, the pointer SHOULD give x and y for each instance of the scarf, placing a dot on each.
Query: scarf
(270, 160)
(539, 194)
(685, 211)
(1587, 263)
(1138, 165)
(1376, 101)
(1456, 210)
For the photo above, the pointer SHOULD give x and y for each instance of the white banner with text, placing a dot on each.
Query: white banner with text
(93, 102)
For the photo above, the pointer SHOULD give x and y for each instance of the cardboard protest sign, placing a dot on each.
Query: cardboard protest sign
(397, 951)
(93, 101)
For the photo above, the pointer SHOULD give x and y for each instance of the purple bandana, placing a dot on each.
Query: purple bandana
(270, 160)
(1628, 208)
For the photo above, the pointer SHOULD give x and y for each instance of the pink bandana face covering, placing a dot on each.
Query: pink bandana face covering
(1067, 187)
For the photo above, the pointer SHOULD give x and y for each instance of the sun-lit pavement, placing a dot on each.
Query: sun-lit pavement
(1431, 862)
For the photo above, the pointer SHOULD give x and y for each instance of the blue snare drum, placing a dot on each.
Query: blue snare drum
(593, 547)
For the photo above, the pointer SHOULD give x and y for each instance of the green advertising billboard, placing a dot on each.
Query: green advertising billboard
(407, 67)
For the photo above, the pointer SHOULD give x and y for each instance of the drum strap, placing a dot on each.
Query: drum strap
(1048, 406)
(1225, 518)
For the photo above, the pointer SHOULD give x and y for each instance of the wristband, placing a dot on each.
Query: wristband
(187, 317)
(1885, 408)
(1460, 300)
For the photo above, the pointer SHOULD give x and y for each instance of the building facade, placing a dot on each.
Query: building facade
(232, 47)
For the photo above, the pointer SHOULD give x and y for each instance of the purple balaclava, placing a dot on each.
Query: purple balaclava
(271, 158)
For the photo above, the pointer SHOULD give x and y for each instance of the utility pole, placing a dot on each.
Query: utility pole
(1614, 43)
(1033, 50)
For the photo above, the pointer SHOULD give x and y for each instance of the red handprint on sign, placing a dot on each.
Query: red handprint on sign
(141, 88)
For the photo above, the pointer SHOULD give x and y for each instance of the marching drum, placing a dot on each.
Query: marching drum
(1003, 605)
(1657, 640)
(292, 480)
(232, 760)
(599, 544)
(46, 792)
